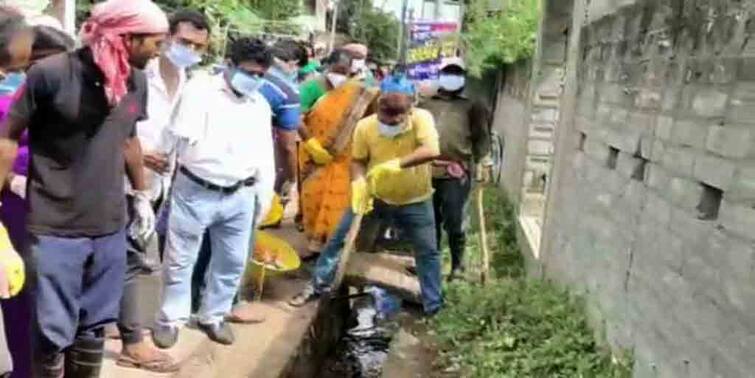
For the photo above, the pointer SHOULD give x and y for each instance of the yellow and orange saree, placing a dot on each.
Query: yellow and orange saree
(325, 189)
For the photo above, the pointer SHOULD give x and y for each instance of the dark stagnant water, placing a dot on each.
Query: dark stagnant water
(363, 349)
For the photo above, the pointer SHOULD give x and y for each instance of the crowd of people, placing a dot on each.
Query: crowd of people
(122, 156)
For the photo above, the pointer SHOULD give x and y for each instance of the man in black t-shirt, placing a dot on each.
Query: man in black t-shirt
(81, 110)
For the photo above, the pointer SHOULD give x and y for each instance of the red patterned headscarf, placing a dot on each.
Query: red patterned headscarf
(104, 33)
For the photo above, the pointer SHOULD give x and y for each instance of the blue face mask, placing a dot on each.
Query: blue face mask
(182, 56)
(281, 70)
(244, 83)
(11, 82)
(390, 131)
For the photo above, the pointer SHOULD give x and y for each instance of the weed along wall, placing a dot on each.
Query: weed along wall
(650, 202)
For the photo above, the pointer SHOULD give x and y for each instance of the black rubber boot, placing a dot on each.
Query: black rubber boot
(48, 366)
(84, 357)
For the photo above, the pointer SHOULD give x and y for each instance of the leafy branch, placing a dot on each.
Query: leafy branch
(493, 38)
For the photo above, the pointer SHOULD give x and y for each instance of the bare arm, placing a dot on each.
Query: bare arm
(303, 132)
(358, 169)
(10, 134)
(421, 155)
(287, 144)
(132, 151)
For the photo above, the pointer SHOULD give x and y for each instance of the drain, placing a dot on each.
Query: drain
(363, 349)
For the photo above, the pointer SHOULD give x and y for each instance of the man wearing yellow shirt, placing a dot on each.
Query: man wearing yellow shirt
(391, 151)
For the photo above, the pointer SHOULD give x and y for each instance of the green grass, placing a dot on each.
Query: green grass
(514, 327)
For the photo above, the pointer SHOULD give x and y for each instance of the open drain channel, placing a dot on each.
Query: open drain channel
(350, 337)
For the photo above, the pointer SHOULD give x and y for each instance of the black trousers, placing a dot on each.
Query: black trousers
(450, 202)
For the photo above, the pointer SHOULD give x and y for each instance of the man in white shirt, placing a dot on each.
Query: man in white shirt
(166, 77)
(224, 185)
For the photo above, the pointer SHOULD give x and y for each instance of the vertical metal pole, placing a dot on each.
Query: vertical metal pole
(69, 17)
(404, 33)
(333, 27)
(438, 4)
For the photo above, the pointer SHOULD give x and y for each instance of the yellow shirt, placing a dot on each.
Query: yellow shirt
(411, 185)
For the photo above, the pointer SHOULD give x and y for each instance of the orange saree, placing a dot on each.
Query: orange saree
(325, 189)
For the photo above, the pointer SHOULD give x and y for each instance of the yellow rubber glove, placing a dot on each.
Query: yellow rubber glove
(361, 200)
(275, 214)
(319, 154)
(13, 276)
(379, 171)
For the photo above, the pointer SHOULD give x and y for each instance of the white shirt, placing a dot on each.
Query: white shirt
(223, 138)
(160, 107)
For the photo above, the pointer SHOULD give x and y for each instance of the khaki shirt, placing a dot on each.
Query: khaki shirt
(463, 128)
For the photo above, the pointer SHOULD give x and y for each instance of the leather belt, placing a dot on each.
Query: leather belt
(217, 188)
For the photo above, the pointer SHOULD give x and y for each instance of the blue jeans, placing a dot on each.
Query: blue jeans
(417, 223)
(78, 288)
(229, 219)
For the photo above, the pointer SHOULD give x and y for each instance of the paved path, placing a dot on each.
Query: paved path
(260, 351)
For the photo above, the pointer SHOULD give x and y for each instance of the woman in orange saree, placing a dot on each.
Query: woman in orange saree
(325, 188)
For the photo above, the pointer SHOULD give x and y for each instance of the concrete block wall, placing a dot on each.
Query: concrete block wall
(652, 216)
(509, 122)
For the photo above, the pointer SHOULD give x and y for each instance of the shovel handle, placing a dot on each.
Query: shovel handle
(485, 269)
(348, 248)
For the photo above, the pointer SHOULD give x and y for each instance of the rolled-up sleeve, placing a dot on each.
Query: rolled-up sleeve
(288, 114)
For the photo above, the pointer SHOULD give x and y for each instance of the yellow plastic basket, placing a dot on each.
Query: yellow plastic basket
(286, 256)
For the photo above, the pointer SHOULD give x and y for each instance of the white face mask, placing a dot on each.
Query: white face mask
(391, 131)
(358, 65)
(336, 79)
(451, 83)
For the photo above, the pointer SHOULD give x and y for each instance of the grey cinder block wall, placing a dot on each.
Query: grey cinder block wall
(650, 210)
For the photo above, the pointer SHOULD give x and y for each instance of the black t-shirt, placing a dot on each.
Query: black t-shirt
(75, 183)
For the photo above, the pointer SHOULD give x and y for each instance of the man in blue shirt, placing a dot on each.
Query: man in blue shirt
(282, 93)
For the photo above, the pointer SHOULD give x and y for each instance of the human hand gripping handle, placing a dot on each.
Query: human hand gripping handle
(318, 153)
(361, 200)
(484, 170)
(144, 217)
(12, 273)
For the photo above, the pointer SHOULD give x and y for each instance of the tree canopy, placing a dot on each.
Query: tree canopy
(364, 23)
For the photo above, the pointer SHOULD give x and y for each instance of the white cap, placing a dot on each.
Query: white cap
(452, 61)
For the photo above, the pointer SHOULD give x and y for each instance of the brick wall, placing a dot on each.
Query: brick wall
(652, 216)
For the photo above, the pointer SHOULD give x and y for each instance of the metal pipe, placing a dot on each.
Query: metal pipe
(334, 20)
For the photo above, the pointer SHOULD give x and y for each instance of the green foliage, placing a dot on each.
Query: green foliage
(276, 9)
(493, 38)
(514, 327)
(371, 26)
(500, 216)
(225, 16)
(229, 17)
